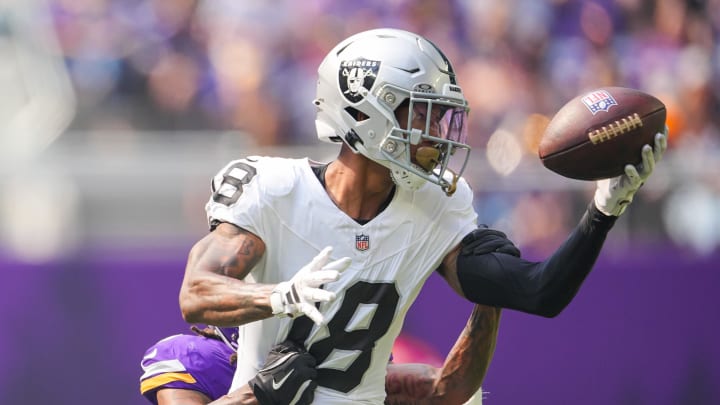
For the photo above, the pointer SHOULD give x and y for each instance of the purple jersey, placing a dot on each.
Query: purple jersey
(188, 362)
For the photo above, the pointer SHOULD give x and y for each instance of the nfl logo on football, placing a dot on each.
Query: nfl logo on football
(599, 100)
(362, 242)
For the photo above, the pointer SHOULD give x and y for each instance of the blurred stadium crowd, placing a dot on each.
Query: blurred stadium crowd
(250, 67)
(218, 64)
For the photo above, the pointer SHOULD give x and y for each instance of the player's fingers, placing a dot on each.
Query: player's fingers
(509, 249)
(321, 259)
(633, 175)
(318, 295)
(307, 363)
(485, 246)
(312, 313)
(338, 265)
(305, 394)
(319, 277)
(648, 161)
(660, 145)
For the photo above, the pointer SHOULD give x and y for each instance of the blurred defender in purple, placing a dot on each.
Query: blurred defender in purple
(197, 369)
(193, 368)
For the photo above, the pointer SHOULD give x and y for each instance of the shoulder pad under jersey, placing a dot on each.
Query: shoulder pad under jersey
(244, 190)
(434, 196)
(268, 175)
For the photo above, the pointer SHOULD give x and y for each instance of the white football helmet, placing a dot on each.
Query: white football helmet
(376, 71)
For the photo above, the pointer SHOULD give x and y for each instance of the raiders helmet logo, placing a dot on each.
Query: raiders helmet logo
(357, 77)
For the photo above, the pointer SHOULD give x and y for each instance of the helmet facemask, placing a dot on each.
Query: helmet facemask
(430, 143)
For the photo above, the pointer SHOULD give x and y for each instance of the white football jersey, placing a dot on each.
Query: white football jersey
(282, 202)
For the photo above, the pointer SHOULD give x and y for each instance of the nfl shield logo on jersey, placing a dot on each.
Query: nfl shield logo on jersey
(362, 242)
(599, 100)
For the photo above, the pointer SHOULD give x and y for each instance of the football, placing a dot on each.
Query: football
(597, 133)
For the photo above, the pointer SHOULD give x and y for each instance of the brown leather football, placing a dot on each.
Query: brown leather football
(597, 133)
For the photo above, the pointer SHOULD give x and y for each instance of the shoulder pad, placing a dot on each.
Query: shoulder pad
(463, 194)
(276, 176)
(271, 176)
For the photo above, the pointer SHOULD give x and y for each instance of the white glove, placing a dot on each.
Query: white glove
(613, 195)
(299, 294)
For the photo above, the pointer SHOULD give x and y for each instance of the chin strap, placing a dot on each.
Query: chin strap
(451, 187)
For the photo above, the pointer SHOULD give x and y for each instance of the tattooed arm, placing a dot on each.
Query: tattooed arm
(469, 359)
(463, 371)
(213, 291)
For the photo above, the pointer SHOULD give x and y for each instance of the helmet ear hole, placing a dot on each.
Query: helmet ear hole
(356, 114)
(404, 105)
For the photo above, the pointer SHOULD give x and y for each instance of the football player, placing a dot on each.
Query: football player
(333, 255)
(196, 369)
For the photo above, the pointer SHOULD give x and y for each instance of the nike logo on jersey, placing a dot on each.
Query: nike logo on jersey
(277, 384)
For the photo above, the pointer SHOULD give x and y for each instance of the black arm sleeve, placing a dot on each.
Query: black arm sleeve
(541, 288)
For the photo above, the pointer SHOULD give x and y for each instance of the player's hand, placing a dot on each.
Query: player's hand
(613, 195)
(484, 240)
(288, 376)
(299, 294)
